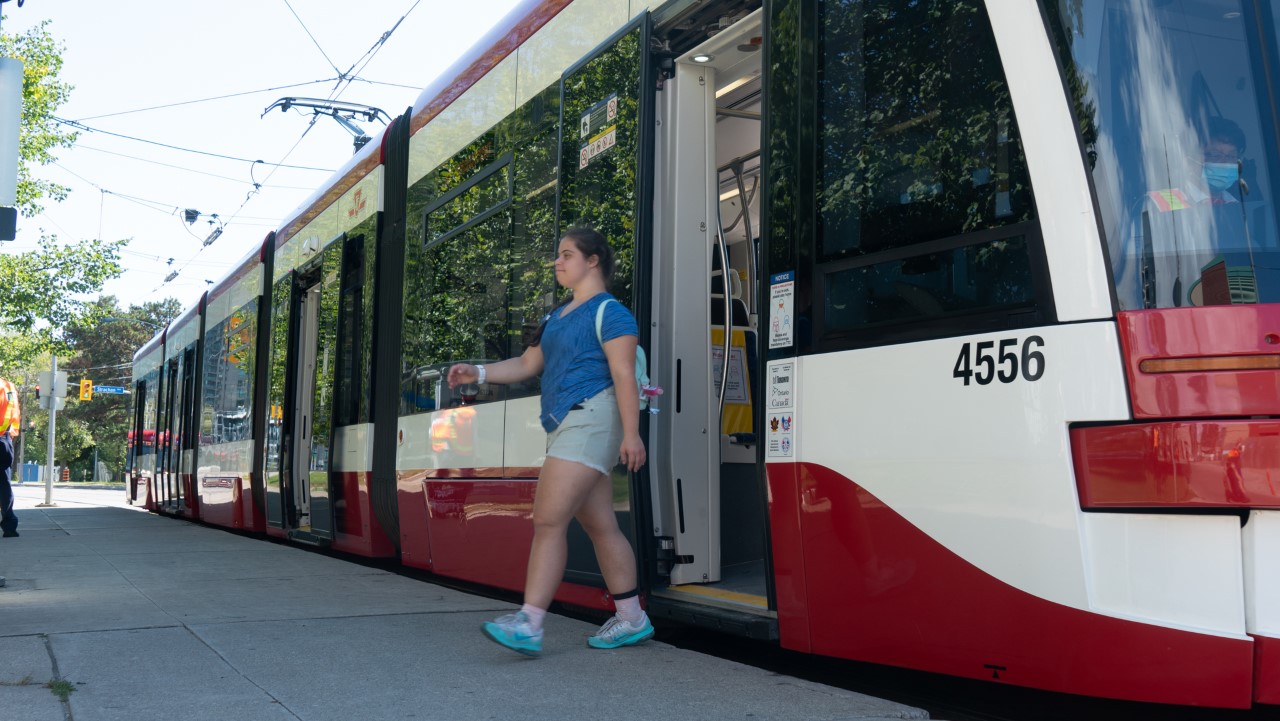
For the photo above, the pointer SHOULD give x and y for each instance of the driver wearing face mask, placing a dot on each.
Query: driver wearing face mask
(1213, 177)
(1221, 164)
(1185, 237)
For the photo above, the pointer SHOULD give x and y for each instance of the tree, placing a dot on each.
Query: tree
(42, 94)
(103, 353)
(44, 291)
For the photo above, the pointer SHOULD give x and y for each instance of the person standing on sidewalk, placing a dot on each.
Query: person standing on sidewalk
(9, 423)
(591, 412)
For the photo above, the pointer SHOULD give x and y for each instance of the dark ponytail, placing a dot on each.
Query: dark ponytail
(589, 242)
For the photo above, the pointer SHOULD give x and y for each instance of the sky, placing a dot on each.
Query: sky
(125, 59)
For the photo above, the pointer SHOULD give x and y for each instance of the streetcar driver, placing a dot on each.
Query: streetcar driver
(1189, 234)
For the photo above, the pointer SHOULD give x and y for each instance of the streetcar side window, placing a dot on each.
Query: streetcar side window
(926, 218)
(533, 228)
(228, 376)
(455, 304)
(350, 329)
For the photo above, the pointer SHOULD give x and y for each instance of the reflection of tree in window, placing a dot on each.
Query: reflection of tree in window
(918, 136)
(456, 272)
(603, 195)
(920, 166)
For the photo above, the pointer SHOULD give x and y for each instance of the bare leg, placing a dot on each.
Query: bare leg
(563, 486)
(613, 551)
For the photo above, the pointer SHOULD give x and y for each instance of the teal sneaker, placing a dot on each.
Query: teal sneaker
(515, 632)
(616, 633)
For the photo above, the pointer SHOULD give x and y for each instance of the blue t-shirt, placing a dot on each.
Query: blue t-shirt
(574, 366)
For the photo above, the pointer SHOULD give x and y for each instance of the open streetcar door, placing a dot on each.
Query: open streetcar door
(708, 487)
(605, 142)
(300, 398)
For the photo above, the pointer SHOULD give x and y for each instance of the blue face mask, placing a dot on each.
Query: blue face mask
(1221, 176)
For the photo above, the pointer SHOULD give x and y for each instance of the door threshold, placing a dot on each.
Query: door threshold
(721, 595)
(305, 536)
(709, 595)
(707, 612)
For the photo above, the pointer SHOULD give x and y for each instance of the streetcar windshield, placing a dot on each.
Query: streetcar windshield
(1176, 106)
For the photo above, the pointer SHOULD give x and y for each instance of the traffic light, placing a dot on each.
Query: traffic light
(37, 391)
(86, 390)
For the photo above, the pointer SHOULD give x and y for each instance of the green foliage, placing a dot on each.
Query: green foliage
(42, 94)
(478, 272)
(915, 111)
(603, 195)
(60, 688)
(44, 291)
(101, 351)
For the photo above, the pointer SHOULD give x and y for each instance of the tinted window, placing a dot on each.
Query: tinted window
(924, 201)
(599, 168)
(350, 330)
(456, 279)
(1176, 106)
(228, 377)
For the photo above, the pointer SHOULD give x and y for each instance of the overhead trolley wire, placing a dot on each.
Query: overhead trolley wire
(81, 126)
(390, 85)
(205, 100)
(313, 39)
(337, 90)
(179, 167)
(368, 55)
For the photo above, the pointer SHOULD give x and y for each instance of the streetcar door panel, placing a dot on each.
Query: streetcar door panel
(708, 493)
(169, 467)
(186, 431)
(322, 319)
(277, 460)
(603, 182)
(303, 406)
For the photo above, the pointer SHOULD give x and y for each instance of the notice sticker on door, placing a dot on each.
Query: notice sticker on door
(781, 433)
(780, 422)
(782, 310)
(781, 381)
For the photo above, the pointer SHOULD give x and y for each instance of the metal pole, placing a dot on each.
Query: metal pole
(93, 477)
(54, 391)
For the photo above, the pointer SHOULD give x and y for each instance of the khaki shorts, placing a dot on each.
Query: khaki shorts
(591, 435)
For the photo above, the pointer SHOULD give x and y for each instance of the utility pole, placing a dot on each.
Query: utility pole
(11, 78)
(54, 394)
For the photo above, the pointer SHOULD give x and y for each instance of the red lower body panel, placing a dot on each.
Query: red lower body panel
(227, 501)
(357, 529)
(1266, 670)
(476, 531)
(878, 589)
(189, 506)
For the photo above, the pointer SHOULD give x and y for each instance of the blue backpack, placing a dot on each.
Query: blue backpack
(647, 392)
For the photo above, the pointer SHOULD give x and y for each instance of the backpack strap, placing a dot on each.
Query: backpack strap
(600, 320)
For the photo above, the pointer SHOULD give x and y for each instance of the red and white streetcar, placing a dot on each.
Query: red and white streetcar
(965, 312)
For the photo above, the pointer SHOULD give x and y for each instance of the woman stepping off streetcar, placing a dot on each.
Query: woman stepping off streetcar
(591, 413)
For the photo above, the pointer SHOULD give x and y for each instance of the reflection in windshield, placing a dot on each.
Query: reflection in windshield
(1179, 126)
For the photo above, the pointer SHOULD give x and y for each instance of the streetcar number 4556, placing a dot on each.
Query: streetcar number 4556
(988, 360)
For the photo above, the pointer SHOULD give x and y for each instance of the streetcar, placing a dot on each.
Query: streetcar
(965, 312)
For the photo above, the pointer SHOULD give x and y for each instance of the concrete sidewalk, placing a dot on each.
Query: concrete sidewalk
(144, 617)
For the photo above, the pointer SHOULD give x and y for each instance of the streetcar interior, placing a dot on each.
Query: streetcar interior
(709, 168)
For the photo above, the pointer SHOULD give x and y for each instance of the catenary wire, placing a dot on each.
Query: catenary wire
(313, 38)
(179, 167)
(81, 126)
(203, 100)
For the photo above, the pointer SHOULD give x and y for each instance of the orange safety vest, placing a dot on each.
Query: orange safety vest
(10, 414)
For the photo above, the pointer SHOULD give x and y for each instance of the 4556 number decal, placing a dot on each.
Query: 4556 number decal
(990, 359)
